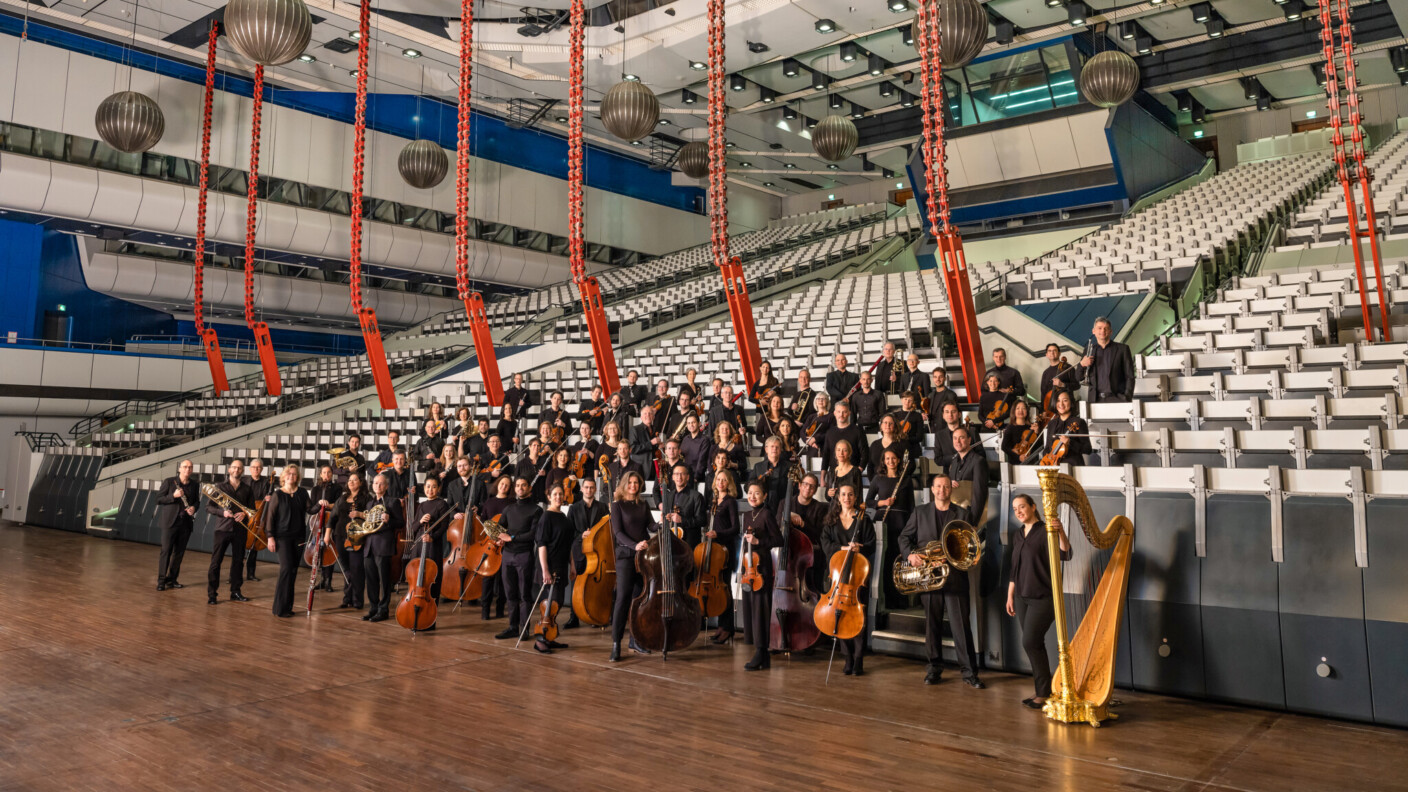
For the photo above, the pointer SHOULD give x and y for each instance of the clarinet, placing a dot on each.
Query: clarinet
(1090, 353)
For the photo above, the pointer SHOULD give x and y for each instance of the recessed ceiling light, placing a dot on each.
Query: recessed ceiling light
(630, 78)
(767, 184)
(899, 6)
(635, 142)
(354, 34)
(411, 53)
(664, 122)
(737, 82)
(306, 58)
(688, 97)
(789, 165)
(745, 164)
(791, 67)
(907, 33)
(825, 26)
(730, 144)
(697, 66)
(833, 166)
(1076, 14)
(848, 51)
(877, 65)
(562, 119)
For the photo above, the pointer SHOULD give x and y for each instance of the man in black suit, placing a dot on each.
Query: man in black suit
(379, 547)
(725, 409)
(643, 440)
(229, 532)
(679, 492)
(632, 395)
(584, 514)
(176, 507)
(840, 381)
(1111, 367)
(925, 526)
(969, 464)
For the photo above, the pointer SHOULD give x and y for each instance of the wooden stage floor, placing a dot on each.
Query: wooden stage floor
(108, 684)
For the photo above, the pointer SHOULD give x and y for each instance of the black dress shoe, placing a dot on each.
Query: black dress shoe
(572, 623)
(974, 682)
(1032, 703)
(174, 584)
(760, 662)
(932, 678)
(368, 616)
(211, 601)
(286, 615)
(380, 616)
(345, 605)
(859, 669)
(505, 633)
(161, 587)
(253, 578)
(431, 628)
(542, 647)
(615, 653)
(556, 645)
(848, 670)
(637, 648)
(238, 597)
(484, 616)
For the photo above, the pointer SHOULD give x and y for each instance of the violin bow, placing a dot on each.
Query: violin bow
(527, 622)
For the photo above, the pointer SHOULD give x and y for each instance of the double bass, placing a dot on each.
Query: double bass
(482, 557)
(791, 627)
(664, 617)
(594, 591)
(840, 613)
(711, 560)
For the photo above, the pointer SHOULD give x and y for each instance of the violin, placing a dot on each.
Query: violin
(1029, 437)
(579, 463)
(569, 486)
(417, 610)
(752, 576)
(546, 627)
(840, 613)
(791, 627)
(1060, 447)
(664, 617)
(317, 554)
(710, 559)
(593, 592)
(998, 413)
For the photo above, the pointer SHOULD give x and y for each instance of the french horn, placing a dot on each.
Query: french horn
(371, 522)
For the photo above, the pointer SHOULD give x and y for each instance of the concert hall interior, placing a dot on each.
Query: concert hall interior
(685, 394)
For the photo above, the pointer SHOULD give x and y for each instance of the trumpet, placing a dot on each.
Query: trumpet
(373, 521)
(958, 547)
(222, 499)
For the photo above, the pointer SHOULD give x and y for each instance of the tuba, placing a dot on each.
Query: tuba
(958, 547)
(371, 522)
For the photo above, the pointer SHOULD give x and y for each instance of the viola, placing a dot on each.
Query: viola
(664, 617)
(593, 592)
(998, 413)
(417, 610)
(840, 613)
(752, 576)
(792, 627)
(579, 463)
(711, 560)
(1029, 437)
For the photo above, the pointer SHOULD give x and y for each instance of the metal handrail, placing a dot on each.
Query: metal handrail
(38, 440)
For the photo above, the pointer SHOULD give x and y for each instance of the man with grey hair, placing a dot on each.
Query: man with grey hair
(1109, 365)
(176, 508)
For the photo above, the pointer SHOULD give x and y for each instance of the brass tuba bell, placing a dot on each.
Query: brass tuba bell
(959, 547)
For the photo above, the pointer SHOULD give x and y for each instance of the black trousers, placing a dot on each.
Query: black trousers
(354, 592)
(757, 614)
(894, 524)
(956, 605)
(1036, 616)
(628, 586)
(379, 581)
(726, 620)
(173, 549)
(234, 540)
(287, 549)
(517, 574)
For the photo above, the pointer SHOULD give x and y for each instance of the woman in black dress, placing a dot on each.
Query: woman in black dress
(849, 526)
(507, 430)
(988, 404)
(285, 521)
(561, 475)
(723, 529)
(1012, 433)
(493, 589)
(1029, 589)
(760, 535)
(892, 498)
(631, 525)
(1067, 422)
(349, 507)
(888, 440)
(845, 472)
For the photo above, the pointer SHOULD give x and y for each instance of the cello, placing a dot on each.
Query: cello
(840, 613)
(593, 592)
(791, 627)
(664, 617)
(710, 559)
(417, 610)
(483, 557)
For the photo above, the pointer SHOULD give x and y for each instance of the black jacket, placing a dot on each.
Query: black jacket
(383, 542)
(1112, 376)
(240, 495)
(973, 468)
(839, 384)
(170, 509)
(923, 527)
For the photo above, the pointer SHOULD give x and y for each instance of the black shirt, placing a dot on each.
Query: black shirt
(457, 493)
(884, 487)
(507, 431)
(943, 442)
(520, 399)
(809, 397)
(732, 416)
(583, 517)
(436, 509)
(937, 400)
(876, 460)
(554, 531)
(835, 536)
(835, 434)
(886, 379)
(286, 513)
(694, 513)
(1112, 378)
(1008, 377)
(915, 381)
(988, 403)
(762, 523)
(972, 467)
(240, 495)
(630, 525)
(834, 481)
(1011, 436)
(839, 384)
(867, 408)
(1030, 561)
(1076, 447)
(519, 519)
(695, 450)
(1067, 376)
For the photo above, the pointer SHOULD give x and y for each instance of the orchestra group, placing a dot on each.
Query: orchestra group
(523, 525)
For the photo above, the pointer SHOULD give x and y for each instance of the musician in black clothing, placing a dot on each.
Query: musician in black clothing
(680, 494)
(623, 463)
(633, 395)
(477, 444)
(1029, 589)
(695, 447)
(631, 526)
(990, 413)
(520, 518)
(495, 462)
(676, 417)
(285, 521)
(431, 524)
(970, 465)
(428, 447)
(643, 439)
(323, 496)
(353, 452)
(556, 415)
(688, 385)
(1111, 367)
(552, 545)
(260, 487)
(765, 385)
(840, 381)
(229, 532)
(803, 402)
(909, 423)
(176, 507)
(892, 499)
(584, 514)
(1059, 374)
(940, 394)
(351, 505)
(1068, 423)
(384, 456)
(760, 535)
(868, 404)
(926, 525)
(943, 435)
(661, 408)
(723, 529)
(913, 380)
(1009, 379)
(400, 477)
(518, 398)
(843, 429)
(616, 413)
(889, 440)
(771, 472)
(726, 409)
(559, 474)
(848, 527)
(507, 428)
(593, 411)
(806, 515)
(379, 547)
(1013, 432)
(532, 468)
(888, 371)
(463, 492)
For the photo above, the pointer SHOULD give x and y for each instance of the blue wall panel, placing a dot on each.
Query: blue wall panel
(20, 244)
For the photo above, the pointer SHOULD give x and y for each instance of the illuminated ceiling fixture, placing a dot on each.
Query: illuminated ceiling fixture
(1076, 14)
(411, 53)
(825, 26)
(789, 113)
(899, 6)
(697, 66)
(819, 81)
(848, 51)
(737, 82)
(877, 65)
(791, 67)
(688, 97)
(1202, 12)
(306, 58)
(630, 78)
(767, 94)
(907, 34)
(1292, 10)
(887, 89)
(835, 101)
